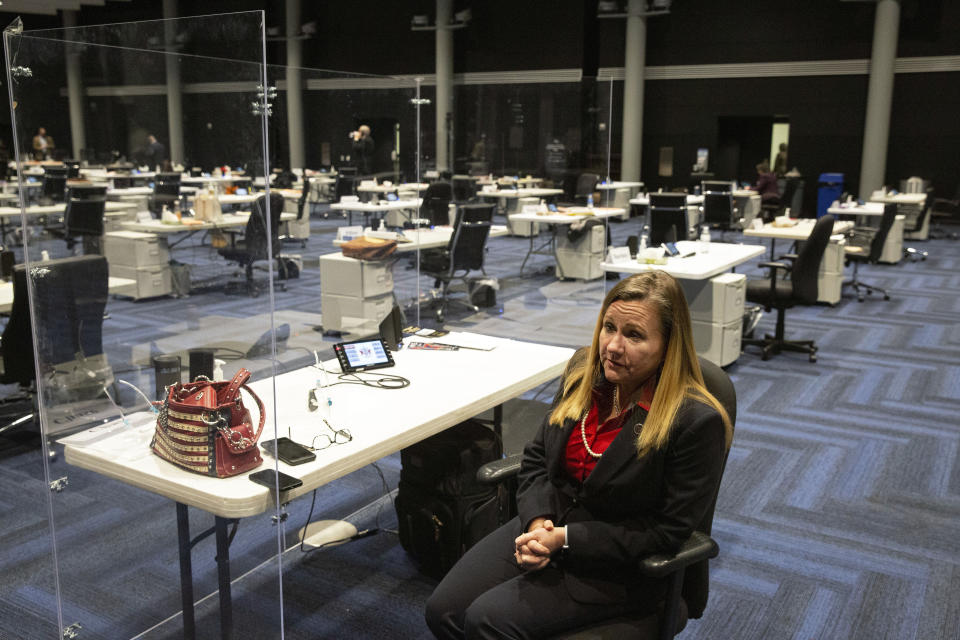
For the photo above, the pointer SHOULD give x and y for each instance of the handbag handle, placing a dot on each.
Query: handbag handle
(236, 441)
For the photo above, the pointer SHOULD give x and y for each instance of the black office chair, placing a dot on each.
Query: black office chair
(436, 202)
(865, 246)
(254, 245)
(914, 224)
(475, 212)
(54, 184)
(786, 199)
(87, 192)
(73, 168)
(84, 219)
(687, 571)
(346, 186)
(166, 193)
(464, 189)
(719, 212)
(945, 210)
(464, 253)
(668, 218)
(70, 295)
(586, 187)
(777, 293)
(303, 213)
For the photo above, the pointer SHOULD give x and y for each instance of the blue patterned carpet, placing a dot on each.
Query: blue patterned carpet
(839, 514)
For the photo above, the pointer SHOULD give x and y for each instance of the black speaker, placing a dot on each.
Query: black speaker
(201, 363)
(166, 372)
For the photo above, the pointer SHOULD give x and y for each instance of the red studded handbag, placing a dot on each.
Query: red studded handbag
(204, 427)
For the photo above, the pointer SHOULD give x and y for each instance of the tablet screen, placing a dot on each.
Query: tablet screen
(362, 355)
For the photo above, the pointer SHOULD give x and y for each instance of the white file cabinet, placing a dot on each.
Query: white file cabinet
(716, 312)
(142, 257)
(521, 228)
(581, 259)
(830, 277)
(355, 295)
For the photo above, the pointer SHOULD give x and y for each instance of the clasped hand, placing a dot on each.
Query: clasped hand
(534, 548)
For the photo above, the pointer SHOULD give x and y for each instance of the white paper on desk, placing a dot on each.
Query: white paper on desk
(467, 340)
(618, 255)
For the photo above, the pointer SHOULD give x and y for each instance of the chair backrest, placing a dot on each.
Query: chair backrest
(467, 246)
(786, 200)
(668, 217)
(464, 188)
(255, 236)
(55, 183)
(806, 267)
(586, 185)
(70, 295)
(169, 190)
(921, 218)
(73, 168)
(86, 192)
(84, 218)
(346, 185)
(168, 176)
(880, 237)
(716, 186)
(475, 212)
(436, 199)
(302, 202)
(696, 580)
(718, 208)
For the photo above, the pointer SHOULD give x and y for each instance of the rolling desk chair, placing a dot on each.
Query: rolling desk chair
(166, 193)
(84, 218)
(802, 288)
(865, 246)
(475, 212)
(464, 253)
(916, 223)
(586, 187)
(86, 192)
(73, 168)
(464, 189)
(299, 229)
(54, 184)
(436, 201)
(668, 218)
(719, 212)
(254, 245)
(687, 571)
(945, 209)
(70, 295)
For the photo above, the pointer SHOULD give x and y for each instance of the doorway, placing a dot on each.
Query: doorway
(745, 141)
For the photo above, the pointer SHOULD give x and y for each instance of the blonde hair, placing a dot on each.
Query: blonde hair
(679, 376)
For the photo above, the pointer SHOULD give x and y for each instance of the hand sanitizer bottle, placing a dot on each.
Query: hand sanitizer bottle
(590, 201)
(705, 239)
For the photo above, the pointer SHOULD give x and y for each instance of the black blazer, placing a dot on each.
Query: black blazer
(628, 507)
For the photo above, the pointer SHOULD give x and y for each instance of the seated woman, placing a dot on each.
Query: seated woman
(625, 465)
(767, 184)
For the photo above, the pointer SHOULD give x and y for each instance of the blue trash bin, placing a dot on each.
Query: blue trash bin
(831, 188)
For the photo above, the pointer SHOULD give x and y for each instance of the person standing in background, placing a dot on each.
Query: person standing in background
(42, 145)
(767, 184)
(155, 153)
(780, 162)
(362, 149)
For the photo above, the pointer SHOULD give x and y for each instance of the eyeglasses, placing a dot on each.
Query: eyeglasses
(323, 440)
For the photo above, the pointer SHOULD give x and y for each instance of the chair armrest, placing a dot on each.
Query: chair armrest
(775, 265)
(498, 471)
(697, 548)
(788, 256)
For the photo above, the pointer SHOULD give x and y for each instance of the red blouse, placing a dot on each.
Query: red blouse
(578, 462)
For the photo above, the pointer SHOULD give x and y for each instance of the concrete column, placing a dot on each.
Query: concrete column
(78, 135)
(295, 86)
(876, 131)
(635, 60)
(174, 88)
(444, 55)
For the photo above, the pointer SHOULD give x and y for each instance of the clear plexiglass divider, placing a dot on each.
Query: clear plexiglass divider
(129, 138)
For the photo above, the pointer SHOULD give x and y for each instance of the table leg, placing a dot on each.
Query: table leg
(223, 575)
(556, 258)
(186, 572)
(527, 257)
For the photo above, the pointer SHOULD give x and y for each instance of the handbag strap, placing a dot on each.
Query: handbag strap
(236, 441)
(233, 388)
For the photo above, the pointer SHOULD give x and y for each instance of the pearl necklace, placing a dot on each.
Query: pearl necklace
(583, 422)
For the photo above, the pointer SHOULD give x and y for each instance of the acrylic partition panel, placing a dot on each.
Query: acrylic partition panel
(521, 148)
(136, 279)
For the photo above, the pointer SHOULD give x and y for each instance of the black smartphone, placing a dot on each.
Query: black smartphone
(268, 478)
(288, 451)
(670, 248)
